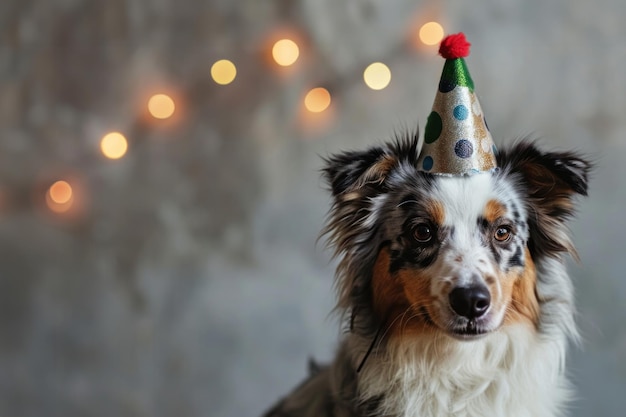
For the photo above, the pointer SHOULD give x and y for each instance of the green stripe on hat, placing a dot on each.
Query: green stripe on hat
(455, 73)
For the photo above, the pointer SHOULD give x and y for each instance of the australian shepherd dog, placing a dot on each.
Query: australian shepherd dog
(454, 290)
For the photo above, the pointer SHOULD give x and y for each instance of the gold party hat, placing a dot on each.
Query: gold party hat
(456, 139)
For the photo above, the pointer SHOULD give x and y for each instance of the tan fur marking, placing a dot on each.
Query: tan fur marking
(398, 298)
(437, 211)
(377, 172)
(386, 289)
(494, 210)
(524, 306)
(354, 195)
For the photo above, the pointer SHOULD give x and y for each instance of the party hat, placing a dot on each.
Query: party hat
(456, 140)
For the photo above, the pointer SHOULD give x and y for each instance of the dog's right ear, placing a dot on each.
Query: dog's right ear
(363, 173)
(358, 174)
(356, 180)
(359, 182)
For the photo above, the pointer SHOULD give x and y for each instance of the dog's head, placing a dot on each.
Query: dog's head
(429, 253)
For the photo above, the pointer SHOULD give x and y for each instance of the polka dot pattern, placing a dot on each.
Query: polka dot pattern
(460, 112)
(463, 148)
(485, 145)
(445, 86)
(476, 108)
(434, 125)
(456, 138)
(428, 163)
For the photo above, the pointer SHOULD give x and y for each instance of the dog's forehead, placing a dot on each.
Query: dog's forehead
(465, 199)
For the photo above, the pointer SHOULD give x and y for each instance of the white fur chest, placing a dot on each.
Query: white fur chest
(511, 373)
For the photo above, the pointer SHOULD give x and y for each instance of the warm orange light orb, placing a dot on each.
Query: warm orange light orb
(113, 145)
(431, 33)
(59, 197)
(285, 52)
(377, 76)
(317, 100)
(60, 192)
(223, 72)
(161, 106)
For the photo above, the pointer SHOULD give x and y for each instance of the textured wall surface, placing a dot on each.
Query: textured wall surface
(186, 280)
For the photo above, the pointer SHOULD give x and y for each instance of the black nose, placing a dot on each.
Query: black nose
(470, 302)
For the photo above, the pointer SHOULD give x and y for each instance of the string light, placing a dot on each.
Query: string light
(161, 106)
(317, 100)
(431, 33)
(113, 145)
(223, 72)
(377, 76)
(285, 52)
(59, 197)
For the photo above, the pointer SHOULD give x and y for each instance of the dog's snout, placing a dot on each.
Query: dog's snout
(470, 302)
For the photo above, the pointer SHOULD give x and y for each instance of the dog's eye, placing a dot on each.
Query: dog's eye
(422, 233)
(503, 233)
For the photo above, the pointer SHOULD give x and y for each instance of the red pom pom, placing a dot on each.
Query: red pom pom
(454, 46)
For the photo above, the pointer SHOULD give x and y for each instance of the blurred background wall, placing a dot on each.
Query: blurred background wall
(183, 278)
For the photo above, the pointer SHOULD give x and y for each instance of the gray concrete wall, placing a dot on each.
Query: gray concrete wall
(188, 282)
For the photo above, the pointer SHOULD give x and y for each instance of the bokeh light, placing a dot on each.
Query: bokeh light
(223, 72)
(113, 145)
(59, 196)
(431, 33)
(60, 192)
(377, 76)
(161, 106)
(317, 100)
(285, 52)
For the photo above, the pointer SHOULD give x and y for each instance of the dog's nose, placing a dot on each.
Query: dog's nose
(470, 302)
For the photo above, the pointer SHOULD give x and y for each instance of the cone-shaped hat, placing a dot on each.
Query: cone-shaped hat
(456, 139)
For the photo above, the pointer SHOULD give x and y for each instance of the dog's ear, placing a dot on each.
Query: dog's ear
(358, 172)
(365, 172)
(359, 182)
(550, 181)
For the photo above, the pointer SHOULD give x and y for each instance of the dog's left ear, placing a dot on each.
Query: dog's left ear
(550, 181)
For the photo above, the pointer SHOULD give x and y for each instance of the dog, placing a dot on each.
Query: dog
(453, 290)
